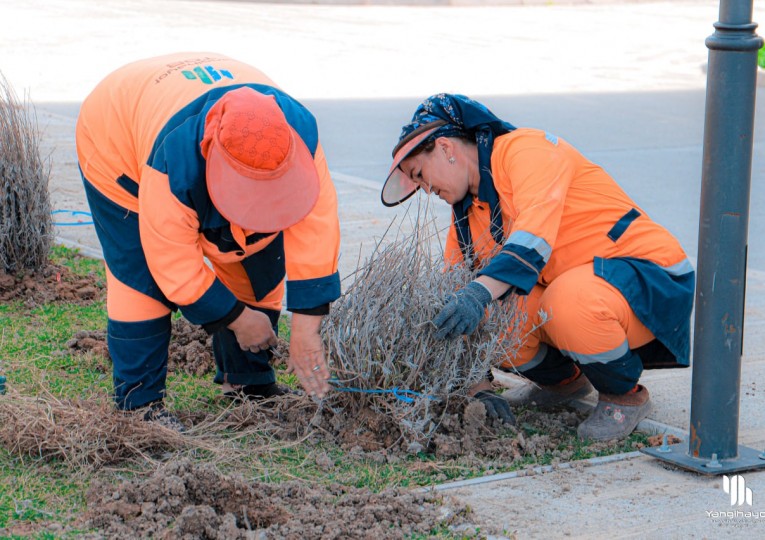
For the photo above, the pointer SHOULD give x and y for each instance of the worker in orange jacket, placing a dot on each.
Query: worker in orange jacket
(208, 184)
(609, 292)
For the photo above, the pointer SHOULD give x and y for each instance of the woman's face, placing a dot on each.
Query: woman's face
(433, 172)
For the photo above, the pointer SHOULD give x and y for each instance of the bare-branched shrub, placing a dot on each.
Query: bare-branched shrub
(380, 338)
(25, 208)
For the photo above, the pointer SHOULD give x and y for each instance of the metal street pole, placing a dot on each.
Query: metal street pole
(723, 228)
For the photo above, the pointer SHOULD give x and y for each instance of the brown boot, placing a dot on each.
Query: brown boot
(550, 395)
(616, 416)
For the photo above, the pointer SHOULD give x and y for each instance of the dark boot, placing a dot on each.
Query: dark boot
(259, 392)
(616, 416)
(157, 413)
(552, 395)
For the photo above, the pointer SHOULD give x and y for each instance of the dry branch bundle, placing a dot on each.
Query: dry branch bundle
(379, 335)
(90, 433)
(86, 433)
(25, 207)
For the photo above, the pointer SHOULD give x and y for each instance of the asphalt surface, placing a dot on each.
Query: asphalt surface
(623, 81)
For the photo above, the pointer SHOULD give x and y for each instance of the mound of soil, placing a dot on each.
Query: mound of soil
(85, 341)
(54, 283)
(184, 500)
(464, 433)
(190, 348)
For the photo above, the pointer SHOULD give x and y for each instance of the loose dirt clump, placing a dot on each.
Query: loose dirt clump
(185, 500)
(466, 434)
(86, 341)
(190, 348)
(52, 283)
(658, 440)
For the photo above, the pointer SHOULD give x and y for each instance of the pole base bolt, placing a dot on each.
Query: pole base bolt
(713, 463)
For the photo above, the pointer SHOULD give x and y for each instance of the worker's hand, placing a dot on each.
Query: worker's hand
(306, 358)
(496, 407)
(253, 331)
(463, 311)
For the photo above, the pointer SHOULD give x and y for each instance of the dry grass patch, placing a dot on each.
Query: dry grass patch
(85, 433)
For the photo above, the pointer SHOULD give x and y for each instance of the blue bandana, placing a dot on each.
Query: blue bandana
(471, 120)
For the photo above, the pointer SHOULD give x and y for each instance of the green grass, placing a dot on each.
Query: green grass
(80, 265)
(34, 342)
(34, 352)
(30, 491)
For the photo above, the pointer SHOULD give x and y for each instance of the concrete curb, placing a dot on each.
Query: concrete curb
(542, 469)
(83, 249)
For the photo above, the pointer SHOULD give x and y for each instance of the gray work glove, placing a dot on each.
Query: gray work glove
(496, 407)
(463, 311)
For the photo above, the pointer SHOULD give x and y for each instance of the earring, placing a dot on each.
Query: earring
(452, 160)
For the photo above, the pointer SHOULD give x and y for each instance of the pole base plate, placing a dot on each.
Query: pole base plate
(748, 459)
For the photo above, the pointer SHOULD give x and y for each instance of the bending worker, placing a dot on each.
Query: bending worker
(197, 157)
(536, 218)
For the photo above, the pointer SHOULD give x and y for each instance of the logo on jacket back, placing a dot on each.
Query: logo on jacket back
(735, 486)
(208, 74)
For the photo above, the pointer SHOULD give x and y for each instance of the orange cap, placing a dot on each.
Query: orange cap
(260, 174)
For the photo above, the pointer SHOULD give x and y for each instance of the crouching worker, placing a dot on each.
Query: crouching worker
(542, 221)
(207, 185)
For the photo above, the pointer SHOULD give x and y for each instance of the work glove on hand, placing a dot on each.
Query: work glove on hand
(496, 407)
(463, 311)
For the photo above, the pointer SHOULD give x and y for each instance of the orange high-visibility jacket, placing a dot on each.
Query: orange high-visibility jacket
(560, 211)
(138, 144)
